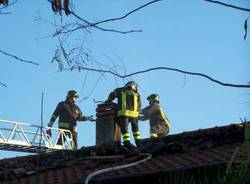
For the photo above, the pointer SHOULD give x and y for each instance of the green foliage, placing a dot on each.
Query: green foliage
(239, 175)
(216, 174)
(208, 175)
(204, 175)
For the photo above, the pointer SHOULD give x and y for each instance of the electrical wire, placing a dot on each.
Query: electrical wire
(94, 87)
(84, 83)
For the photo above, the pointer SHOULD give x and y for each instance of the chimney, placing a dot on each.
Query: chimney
(107, 130)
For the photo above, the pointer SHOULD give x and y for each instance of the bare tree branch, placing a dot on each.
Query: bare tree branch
(95, 25)
(6, 6)
(127, 14)
(2, 84)
(89, 24)
(228, 5)
(245, 28)
(17, 58)
(161, 68)
(192, 73)
(5, 13)
(102, 29)
(10, 4)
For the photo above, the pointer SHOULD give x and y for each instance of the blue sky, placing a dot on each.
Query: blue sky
(195, 35)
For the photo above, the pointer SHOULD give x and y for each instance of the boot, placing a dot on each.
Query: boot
(128, 144)
(138, 143)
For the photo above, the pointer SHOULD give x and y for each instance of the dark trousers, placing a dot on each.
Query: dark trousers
(123, 122)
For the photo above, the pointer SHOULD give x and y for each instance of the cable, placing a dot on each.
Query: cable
(149, 156)
(94, 87)
(84, 82)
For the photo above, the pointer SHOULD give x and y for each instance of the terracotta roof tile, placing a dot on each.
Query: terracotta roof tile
(180, 151)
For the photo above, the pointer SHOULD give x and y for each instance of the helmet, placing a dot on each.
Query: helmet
(131, 84)
(153, 97)
(72, 93)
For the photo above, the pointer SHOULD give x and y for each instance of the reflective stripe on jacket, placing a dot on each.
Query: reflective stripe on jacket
(163, 115)
(68, 126)
(64, 125)
(128, 104)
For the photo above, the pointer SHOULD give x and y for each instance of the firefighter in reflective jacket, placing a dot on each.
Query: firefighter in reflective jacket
(129, 104)
(159, 124)
(69, 113)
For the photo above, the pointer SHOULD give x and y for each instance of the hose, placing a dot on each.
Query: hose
(88, 178)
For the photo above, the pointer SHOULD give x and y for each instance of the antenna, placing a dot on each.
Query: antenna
(41, 127)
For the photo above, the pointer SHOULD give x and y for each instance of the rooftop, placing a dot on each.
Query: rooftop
(187, 150)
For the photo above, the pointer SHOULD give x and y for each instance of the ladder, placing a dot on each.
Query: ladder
(25, 137)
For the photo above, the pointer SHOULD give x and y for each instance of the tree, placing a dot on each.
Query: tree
(79, 57)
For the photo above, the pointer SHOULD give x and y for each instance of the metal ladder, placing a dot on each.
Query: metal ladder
(25, 137)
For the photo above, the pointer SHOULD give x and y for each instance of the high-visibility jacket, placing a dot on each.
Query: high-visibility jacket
(129, 102)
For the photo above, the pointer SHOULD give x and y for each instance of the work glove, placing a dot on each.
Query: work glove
(141, 117)
(48, 132)
(90, 118)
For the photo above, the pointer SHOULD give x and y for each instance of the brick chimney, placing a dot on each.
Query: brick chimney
(107, 129)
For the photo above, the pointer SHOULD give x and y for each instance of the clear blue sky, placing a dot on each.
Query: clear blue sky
(195, 35)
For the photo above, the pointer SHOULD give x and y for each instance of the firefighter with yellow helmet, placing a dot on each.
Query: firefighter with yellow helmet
(129, 103)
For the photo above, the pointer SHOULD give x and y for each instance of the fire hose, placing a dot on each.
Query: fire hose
(88, 178)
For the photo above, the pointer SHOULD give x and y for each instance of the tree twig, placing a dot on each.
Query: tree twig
(2, 84)
(5, 13)
(97, 27)
(127, 14)
(89, 24)
(10, 4)
(95, 24)
(162, 68)
(228, 5)
(19, 59)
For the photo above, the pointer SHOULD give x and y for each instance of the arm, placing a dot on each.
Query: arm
(139, 101)
(142, 117)
(54, 115)
(84, 118)
(113, 95)
(150, 110)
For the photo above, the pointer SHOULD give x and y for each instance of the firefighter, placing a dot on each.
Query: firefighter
(69, 113)
(129, 103)
(159, 124)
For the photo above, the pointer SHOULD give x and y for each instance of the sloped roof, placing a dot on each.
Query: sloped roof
(187, 150)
